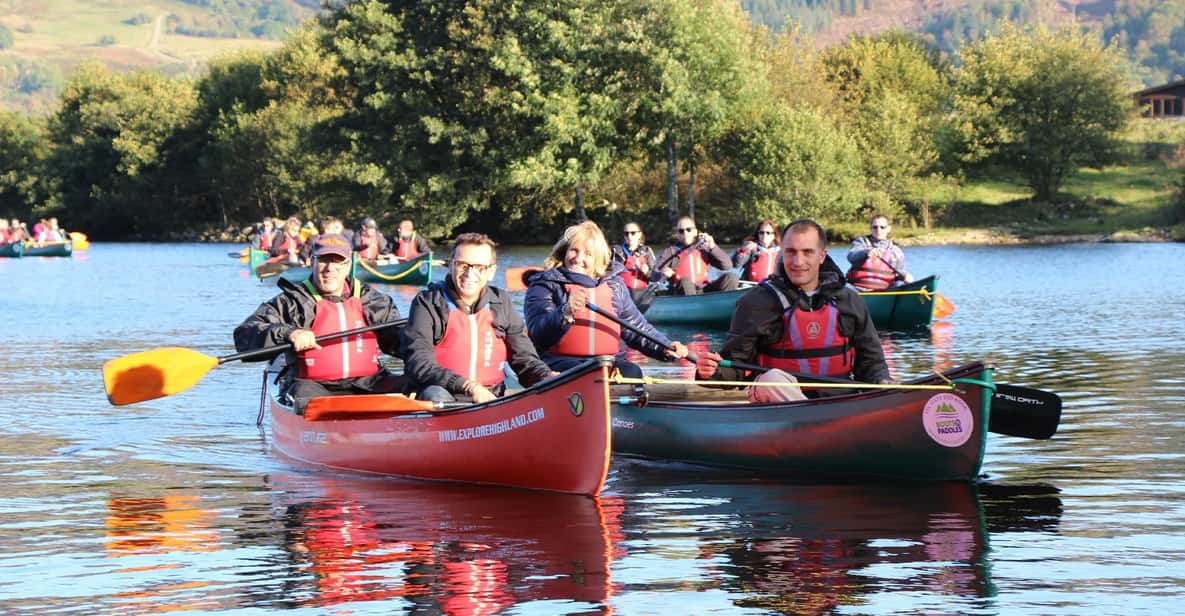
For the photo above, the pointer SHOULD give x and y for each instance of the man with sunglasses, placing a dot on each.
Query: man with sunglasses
(461, 332)
(684, 264)
(637, 261)
(327, 302)
(876, 262)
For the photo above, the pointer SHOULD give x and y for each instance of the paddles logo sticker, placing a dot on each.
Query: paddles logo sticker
(947, 420)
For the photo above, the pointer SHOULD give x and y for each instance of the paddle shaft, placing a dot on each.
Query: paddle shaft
(276, 350)
(618, 320)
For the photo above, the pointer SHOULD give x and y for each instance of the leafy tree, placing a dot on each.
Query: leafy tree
(23, 148)
(1041, 104)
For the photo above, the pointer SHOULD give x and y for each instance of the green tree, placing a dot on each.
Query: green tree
(23, 149)
(1041, 104)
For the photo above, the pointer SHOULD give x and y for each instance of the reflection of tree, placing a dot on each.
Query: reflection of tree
(452, 550)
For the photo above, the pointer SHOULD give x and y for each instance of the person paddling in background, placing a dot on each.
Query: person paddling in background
(50, 232)
(287, 247)
(876, 262)
(325, 303)
(368, 242)
(5, 238)
(461, 332)
(565, 329)
(408, 243)
(759, 254)
(801, 320)
(17, 232)
(684, 264)
(637, 260)
(265, 236)
(330, 225)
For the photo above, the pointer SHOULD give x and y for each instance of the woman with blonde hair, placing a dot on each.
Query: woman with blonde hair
(565, 331)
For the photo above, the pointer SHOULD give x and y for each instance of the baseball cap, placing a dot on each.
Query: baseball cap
(369, 223)
(333, 244)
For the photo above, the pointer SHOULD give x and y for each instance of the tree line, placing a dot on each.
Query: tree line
(519, 116)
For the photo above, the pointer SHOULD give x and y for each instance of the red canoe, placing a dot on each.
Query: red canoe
(554, 436)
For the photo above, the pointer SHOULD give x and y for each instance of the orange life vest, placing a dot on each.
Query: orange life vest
(764, 265)
(406, 249)
(873, 274)
(370, 246)
(266, 238)
(692, 266)
(591, 334)
(471, 347)
(810, 342)
(341, 358)
(632, 278)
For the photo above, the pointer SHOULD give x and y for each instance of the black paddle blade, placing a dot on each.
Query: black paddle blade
(1025, 412)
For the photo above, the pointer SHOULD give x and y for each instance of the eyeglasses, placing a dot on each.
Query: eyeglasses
(478, 268)
(880, 226)
(687, 230)
(628, 232)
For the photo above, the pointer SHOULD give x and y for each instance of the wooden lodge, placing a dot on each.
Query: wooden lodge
(1167, 101)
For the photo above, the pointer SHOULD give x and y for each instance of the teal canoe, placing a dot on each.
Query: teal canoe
(12, 250)
(906, 307)
(906, 434)
(416, 272)
(49, 249)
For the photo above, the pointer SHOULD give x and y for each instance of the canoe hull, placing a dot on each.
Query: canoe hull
(49, 249)
(552, 437)
(12, 250)
(416, 272)
(901, 434)
(908, 306)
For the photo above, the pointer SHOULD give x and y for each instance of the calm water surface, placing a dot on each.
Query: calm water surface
(178, 504)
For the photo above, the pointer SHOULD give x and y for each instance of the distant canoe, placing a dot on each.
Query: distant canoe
(905, 307)
(416, 272)
(12, 250)
(49, 249)
(908, 306)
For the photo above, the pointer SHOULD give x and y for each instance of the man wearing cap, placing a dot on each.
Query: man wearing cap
(327, 302)
(369, 242)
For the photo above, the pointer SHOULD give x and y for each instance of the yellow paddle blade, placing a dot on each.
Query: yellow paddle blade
(154, 374)
(79, 240)
(362, 406)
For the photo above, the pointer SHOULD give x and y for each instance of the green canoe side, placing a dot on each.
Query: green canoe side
(12, 250)
(908, 306)
(49, 249)
(416, 272)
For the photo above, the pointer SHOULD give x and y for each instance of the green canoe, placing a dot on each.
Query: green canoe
(905, 307)
(12, 250)
(908, 306)
(908, 434)
(416, 272)
(49, 249)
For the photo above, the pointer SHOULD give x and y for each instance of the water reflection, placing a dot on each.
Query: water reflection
(442, 549)
(815, 549)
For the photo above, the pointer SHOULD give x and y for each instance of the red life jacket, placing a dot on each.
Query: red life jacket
(764, 265)
(591, 334)
(632, 278)
(872, 274)
(810, 343)
(406, 249)
(692, 266)
(471, 347)
(287, 247)
(341, 358)
(266, 238)
(370, 246)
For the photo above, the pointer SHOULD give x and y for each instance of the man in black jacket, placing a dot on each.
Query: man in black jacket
(802, 320)
(461, 332)
(328, 302)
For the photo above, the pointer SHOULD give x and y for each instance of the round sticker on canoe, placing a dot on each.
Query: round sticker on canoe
(947, 420)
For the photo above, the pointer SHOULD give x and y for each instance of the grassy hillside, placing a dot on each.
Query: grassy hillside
(50, 37)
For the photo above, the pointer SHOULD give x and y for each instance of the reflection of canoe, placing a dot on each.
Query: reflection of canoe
(554, 436)
(446, 549)
(906, 434)
(416, 272)
(905, 307)
(12, 250)
(49, 249)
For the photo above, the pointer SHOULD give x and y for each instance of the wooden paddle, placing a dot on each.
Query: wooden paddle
(163, 372)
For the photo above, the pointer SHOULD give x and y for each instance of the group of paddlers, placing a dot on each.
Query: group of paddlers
(291, 243)
(799, 319)
(44, 231)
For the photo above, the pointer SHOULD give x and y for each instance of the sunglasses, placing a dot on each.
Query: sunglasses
(687, 230)
(880, 226)
(632, 232)
(765, 233)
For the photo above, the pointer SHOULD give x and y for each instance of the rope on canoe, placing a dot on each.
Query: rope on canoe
(650, 380)
(925, 293)
(366, 266)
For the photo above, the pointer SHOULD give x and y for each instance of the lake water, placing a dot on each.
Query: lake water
(178, 504)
